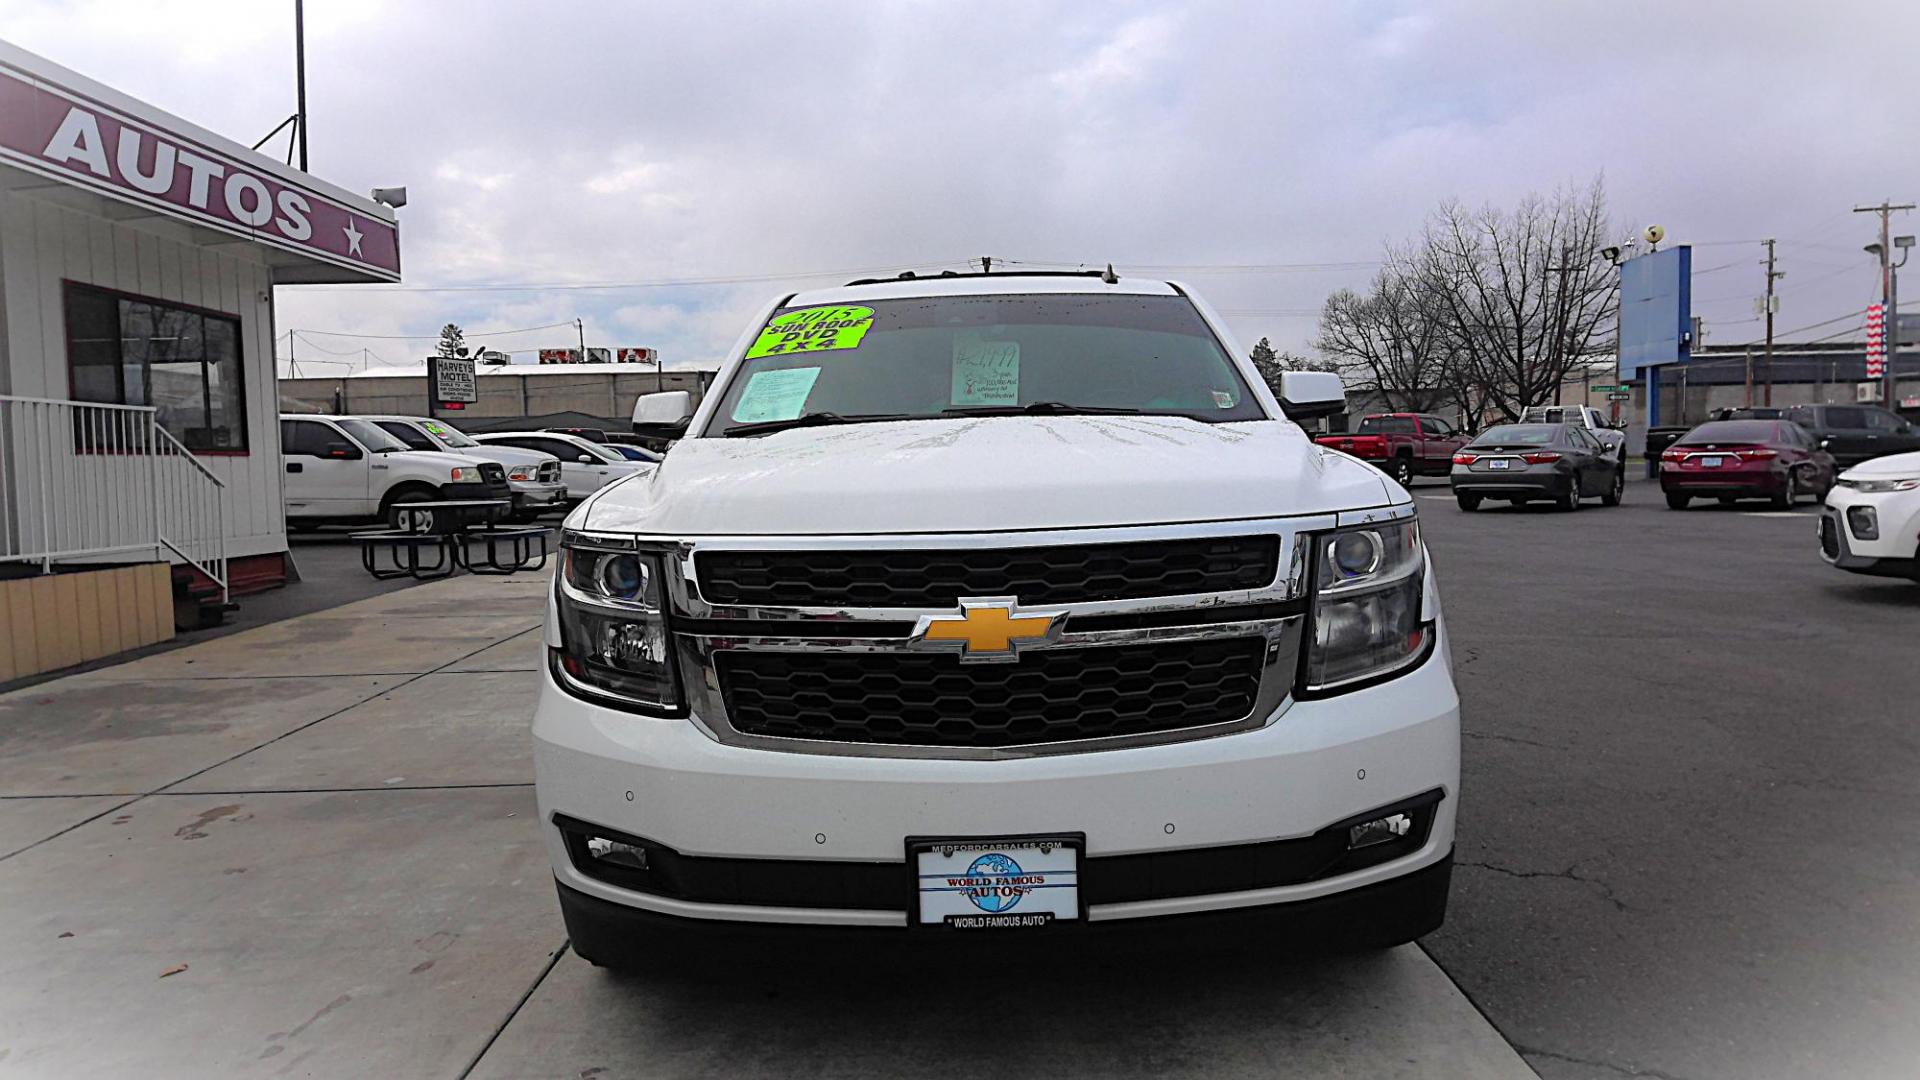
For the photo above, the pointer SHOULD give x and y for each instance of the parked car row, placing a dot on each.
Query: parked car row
(365, 468)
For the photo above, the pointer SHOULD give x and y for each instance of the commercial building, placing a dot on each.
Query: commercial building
(138, 405)
(513, 397)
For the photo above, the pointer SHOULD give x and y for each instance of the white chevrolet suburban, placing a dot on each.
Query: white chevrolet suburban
(975, 603)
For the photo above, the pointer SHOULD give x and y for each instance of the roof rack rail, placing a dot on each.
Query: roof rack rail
(1106, 275)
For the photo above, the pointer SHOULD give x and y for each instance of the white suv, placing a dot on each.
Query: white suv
(973, 603)
(1871, 521)
(342, 468)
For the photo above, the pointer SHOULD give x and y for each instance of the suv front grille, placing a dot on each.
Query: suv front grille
(1065, 574)
(549, 472)
(493, 472)
(1049, 696)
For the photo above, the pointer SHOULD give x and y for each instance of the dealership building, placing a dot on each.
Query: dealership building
(140, 470)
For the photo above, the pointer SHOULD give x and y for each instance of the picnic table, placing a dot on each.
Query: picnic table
(436, 538)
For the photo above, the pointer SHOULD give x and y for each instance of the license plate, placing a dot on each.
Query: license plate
(996, 884)
(1710, 462)
(1498, 463)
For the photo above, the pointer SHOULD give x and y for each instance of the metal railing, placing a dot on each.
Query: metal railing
(83, 482)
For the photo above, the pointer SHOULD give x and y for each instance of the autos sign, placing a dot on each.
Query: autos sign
(51, 131)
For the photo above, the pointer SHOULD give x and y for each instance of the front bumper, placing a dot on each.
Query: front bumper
(1317, 763)
(1894, 551)
(1383, 913)
(537, 495)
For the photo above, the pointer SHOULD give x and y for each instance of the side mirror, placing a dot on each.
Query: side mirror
(669, 408)
(1824, 443)
(1305, 395)
(585, 459)
(340, 451)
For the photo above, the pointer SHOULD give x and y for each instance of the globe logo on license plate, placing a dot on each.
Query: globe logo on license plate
(995, 882)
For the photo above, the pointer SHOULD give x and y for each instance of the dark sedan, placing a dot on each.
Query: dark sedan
(1727, 460)
(1520, 462)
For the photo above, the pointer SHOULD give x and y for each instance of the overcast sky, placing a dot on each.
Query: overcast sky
(546, 143)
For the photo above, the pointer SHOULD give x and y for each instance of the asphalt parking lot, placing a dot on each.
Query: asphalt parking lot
(308, 849)
(1690, 792)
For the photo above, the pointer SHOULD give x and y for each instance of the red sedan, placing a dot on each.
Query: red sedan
(1746, 459)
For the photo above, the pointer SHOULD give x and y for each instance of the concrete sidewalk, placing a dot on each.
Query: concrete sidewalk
(329, 822)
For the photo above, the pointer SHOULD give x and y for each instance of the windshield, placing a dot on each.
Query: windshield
(928, 357)
(446, 434)
(1541, 414)
(1387, 425)
(370, 435)
(1729, 431)
(1518, 435)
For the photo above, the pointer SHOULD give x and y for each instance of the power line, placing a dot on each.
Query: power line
(429, 337)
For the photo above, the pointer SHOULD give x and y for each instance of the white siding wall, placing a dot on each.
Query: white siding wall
(43, 243)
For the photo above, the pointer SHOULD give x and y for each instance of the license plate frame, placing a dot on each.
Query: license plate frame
(1711, 461)
(1500, 463)
(952, 911)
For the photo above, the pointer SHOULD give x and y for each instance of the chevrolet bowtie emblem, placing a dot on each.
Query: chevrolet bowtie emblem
(988, 628)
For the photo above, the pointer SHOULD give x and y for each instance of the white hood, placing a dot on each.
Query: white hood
(988, 474)
(1890, 465)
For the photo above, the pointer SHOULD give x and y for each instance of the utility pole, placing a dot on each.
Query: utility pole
(1772, 276)
(1560, 305)
(1889, 319)
(582, 327)
(300, 76)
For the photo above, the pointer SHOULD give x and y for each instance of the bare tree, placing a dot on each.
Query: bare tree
(1393, 341)
(1523, 295)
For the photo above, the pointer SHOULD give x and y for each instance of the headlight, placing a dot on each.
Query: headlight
(522, 472)
(613, 632)
(1367, 585)
(1880, 487)
(464, 475)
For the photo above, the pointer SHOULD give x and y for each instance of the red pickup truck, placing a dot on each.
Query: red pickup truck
(1402, 445)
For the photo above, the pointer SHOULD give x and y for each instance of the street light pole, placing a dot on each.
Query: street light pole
(1889, 321)
(1890, 393)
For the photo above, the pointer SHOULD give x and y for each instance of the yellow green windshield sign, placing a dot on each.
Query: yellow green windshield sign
(821, 329)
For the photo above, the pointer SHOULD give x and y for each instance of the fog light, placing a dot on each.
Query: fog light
(1864, 522)
(1378, 831)
(615, 853)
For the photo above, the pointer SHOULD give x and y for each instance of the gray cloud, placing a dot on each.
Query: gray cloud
(596, 143)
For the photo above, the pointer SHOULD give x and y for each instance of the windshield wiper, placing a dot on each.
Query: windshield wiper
(812, 419)
(1039, 408)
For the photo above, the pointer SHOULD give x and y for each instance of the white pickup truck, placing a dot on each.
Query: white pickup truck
(1584, 416)
(980, 603)
(344, 469)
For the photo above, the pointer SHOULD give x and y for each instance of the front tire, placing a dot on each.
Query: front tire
(1616, 490)
(1677, 501)
(399, 498)
(1403, 471)
(1467, 502)
(1571, 500)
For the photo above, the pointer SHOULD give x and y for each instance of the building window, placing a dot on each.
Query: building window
(128, 350)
